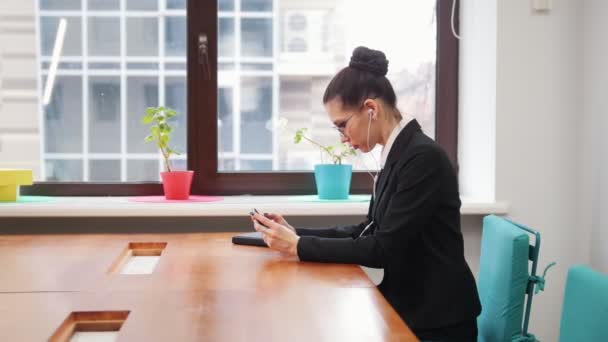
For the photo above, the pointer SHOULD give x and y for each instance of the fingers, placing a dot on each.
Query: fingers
(264, 221)
(260, 228)
(275, 217)
(272, 216)
(266, 240)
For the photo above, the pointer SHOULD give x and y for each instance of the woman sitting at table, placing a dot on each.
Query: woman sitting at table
(412, 228)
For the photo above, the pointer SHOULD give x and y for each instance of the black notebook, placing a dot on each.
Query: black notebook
(251, 239)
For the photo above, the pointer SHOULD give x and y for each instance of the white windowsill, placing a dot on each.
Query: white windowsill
(230, 206)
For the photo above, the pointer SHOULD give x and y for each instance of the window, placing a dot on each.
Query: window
(274, 61)
(117, 57)
(269, 60)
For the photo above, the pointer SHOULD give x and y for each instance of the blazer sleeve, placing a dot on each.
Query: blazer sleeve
(409, 210)
(350, 231)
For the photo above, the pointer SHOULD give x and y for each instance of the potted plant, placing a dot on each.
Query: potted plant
(332, 180)
(176, 184)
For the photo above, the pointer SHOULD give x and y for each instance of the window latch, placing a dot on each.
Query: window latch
(203, 55)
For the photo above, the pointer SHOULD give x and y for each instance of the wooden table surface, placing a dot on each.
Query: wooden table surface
(204, 288)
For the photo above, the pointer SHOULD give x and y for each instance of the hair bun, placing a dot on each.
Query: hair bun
(373, 61)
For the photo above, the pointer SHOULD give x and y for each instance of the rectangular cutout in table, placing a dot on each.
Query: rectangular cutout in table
(90, 326)
(138, 258)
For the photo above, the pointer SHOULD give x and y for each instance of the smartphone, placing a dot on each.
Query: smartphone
(260, 223)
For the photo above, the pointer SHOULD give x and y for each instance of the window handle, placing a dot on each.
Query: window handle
(203, 55)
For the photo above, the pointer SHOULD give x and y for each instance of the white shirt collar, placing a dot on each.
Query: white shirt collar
(391, 139)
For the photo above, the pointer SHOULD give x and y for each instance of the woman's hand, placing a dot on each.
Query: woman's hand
(278, 218)
(277, 236)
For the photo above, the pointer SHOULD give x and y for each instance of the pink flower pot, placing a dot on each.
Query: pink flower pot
(176, 184)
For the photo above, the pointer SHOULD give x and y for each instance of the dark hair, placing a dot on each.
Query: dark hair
(363, 78)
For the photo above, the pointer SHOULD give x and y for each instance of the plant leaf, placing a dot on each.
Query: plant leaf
(147, 120)
(164, 139)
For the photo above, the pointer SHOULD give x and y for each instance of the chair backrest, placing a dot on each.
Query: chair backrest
(585, 310)
(503, 279)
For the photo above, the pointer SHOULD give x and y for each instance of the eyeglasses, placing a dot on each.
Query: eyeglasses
(341, 127)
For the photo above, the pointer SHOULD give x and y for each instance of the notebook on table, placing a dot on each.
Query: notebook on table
(250, 239)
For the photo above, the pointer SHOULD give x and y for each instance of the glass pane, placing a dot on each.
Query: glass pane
(104, 170)
(142, 92)
(282, 71)
(256, 66)
(256, 111)
(176, 4)
(104, 114)
(104, 36)
(226, 66)
(142, 66)
(226, 37)
(72, 42)
(225, 119)
(253, 165)
(179, 164)
(226, 165)
(142, 37)
(256, 5)
(107, 66)
(93, 109)
(175, 36)
(256, 37)
(296, 95)
(63, 170)
(63, 116)
(226, 5)
(60, 4)
(175, 95)
(139, 5)
(143, 170)
(104, 4)
(175, 66)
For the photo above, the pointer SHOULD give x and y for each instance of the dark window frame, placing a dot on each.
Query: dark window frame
(202, 123)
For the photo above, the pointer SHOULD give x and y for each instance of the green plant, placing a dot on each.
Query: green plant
(161, 130)
(336, 152)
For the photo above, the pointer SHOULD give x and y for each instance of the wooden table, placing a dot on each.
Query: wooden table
(204, 288)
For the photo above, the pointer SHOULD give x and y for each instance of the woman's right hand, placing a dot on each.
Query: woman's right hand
(278, 218)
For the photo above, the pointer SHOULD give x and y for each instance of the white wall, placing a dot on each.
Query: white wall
(19, 133)
(594, 150)
(477, 100)
(539, 105)
(547, 128)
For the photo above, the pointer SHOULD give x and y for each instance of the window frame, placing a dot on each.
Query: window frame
(202, 130)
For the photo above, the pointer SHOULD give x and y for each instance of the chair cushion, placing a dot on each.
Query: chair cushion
(502, 281)
(585, 310)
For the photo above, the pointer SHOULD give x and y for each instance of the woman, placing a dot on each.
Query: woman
(412, 228)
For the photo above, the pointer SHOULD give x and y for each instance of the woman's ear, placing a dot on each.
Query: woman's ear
(372, 108)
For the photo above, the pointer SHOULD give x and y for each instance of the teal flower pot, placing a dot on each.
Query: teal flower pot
(333, 181)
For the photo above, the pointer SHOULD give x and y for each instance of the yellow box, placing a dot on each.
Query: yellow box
(10, 180)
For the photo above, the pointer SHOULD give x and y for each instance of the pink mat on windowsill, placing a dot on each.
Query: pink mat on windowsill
(161, 199)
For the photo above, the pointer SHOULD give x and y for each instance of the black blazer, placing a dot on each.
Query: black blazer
(415, 237)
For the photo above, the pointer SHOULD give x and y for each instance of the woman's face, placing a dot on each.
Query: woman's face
(352, 124)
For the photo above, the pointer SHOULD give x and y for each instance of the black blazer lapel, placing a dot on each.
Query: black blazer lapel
(382, 180)
(402, 142)
(399, 146)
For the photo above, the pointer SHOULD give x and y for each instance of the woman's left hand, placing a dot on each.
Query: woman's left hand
(276, 236)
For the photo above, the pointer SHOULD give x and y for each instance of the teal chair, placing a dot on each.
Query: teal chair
(506, 284)
(585, 310)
